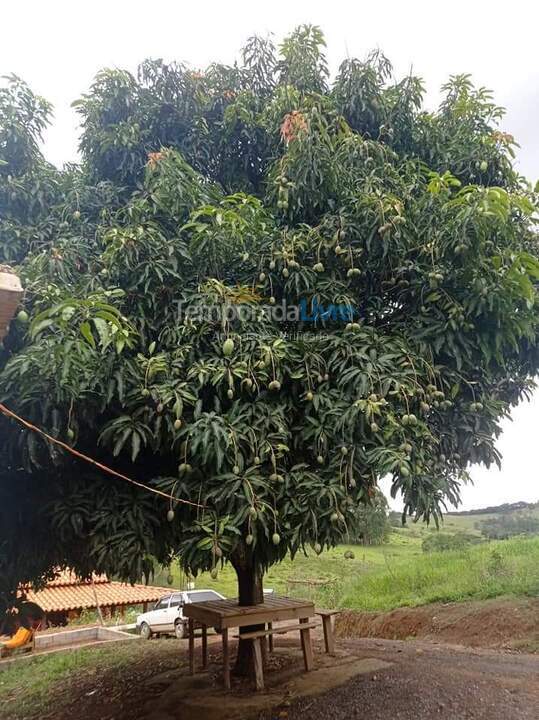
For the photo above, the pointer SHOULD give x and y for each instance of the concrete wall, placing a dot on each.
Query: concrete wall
(80, 635)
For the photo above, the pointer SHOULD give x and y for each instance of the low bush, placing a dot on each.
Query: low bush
(442, 542)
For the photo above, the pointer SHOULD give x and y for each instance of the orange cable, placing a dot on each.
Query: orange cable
(9, 413)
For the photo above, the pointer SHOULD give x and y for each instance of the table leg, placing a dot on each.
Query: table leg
(329, 639)
(226, 659)
(306, 645)
(191, 646)
(204, 647)
(259, 664)
(270, 637)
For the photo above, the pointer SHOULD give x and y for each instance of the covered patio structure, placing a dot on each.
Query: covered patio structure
(67, 596)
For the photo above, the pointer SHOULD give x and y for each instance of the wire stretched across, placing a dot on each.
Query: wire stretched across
(10, 414)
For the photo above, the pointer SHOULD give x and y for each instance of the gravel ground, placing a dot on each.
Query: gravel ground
(428, 681)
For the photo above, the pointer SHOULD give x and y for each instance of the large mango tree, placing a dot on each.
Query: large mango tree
(259, 293)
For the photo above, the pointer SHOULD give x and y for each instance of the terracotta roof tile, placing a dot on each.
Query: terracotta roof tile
(68, 577)
(58, 598)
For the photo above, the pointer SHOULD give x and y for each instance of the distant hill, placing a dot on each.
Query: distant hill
(498, 509)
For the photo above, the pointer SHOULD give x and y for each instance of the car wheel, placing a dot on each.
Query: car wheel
(145, 631)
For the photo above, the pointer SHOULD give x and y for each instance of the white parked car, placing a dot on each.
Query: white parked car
(167, 614)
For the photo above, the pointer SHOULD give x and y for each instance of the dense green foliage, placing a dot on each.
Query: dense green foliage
(258, 181)
(505, 526)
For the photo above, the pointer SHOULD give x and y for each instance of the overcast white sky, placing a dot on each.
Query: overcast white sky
(58, 46)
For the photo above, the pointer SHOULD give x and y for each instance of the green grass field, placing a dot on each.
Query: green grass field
(488, 570)
(304, 575)
(398, 573)
(54, 685)
(32, 678)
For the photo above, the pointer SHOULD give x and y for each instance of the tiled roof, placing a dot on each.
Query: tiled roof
(56, 597)
(68, 577)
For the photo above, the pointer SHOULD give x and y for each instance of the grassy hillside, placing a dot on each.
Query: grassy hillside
(317, 576)
(399, 573)
(466, 523)
(488, 570)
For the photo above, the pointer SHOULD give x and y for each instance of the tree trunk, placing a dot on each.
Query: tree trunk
(250, 592)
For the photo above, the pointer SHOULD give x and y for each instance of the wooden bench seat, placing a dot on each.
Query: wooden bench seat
(277, 631)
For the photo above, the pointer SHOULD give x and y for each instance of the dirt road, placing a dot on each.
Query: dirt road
(428, 681)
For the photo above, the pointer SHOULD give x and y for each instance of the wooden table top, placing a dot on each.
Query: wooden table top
(227, 613)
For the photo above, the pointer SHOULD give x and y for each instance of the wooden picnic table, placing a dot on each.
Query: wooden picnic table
(225, 614)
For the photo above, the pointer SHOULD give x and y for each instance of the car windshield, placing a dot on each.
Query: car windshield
(163, 603)
(203, 595)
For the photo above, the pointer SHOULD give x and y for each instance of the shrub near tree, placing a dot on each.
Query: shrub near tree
(442, 542)
(254, 185)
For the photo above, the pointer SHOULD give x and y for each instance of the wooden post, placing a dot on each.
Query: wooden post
(270, 637)
(204, 647)
(329, 639)
(226, 659)
(191, 646)
(259, 663)
(306, 645)
(96, 599)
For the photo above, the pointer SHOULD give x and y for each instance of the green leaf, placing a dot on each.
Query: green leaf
(86, 332)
